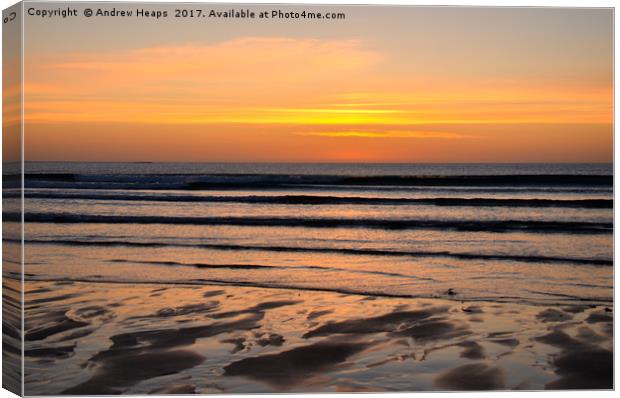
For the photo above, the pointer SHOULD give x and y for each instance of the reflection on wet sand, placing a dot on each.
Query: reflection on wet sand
(113, 338)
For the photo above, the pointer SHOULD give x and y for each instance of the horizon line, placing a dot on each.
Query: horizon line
(302, 162)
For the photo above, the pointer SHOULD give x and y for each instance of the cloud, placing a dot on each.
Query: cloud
(216, 70)
(250, 79)
(296, 81)
(386, 134)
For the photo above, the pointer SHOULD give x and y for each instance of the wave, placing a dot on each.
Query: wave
(333, 200)
(564, 227)
(346, 251)
(234, 181)
(261, 266)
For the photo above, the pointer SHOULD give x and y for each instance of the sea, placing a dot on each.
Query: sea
(523, 233)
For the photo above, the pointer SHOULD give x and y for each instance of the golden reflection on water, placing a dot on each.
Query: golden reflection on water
(268, 325)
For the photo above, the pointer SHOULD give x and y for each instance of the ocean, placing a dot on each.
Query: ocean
(175, 278)
(535, 233)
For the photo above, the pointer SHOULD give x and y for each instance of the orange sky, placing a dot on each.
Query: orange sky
(342, 95)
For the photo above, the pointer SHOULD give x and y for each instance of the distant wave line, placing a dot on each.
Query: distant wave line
(210, 181)
(334, 200)
(570, 227)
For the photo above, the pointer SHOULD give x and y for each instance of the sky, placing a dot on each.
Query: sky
(387, 84)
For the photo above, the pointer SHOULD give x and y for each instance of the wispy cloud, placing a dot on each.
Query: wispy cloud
(248, 79)
(292, 81)
(386, 134)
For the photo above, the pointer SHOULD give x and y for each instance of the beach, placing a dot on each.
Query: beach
(221, 278)
(102, 338)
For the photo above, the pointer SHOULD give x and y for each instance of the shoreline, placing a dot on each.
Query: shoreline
(450, 295)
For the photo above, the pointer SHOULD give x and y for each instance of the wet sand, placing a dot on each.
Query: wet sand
(102, 338)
